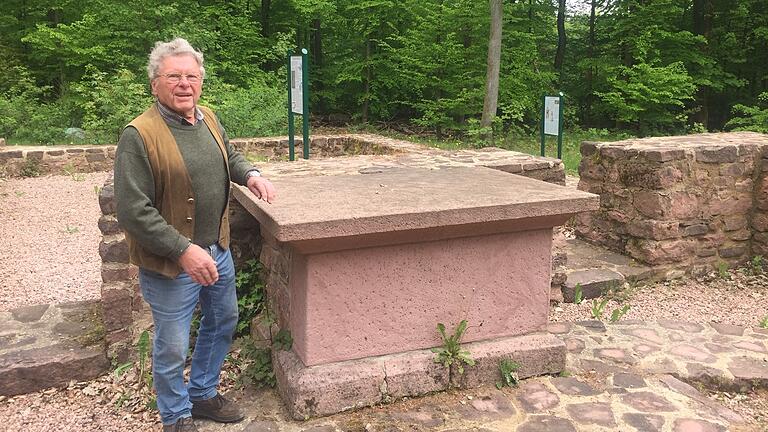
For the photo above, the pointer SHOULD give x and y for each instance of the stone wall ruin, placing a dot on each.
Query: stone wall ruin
(685, 204)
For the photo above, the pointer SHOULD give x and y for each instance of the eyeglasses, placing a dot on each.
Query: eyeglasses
(175, 78)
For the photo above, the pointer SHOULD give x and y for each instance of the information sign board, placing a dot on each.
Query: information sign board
(297, 94)
(552, 115)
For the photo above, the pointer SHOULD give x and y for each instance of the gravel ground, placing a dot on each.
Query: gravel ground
(52, 220)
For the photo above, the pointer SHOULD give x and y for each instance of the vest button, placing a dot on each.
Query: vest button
(189, 220)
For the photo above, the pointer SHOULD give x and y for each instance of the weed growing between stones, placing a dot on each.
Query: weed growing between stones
(254, 362)
(756, 265)
(722, 270)
(30, 168)
(578, 295)
(138, 376)
(764, 322)
(250, 295)
(598, 308)
(69, 169)
(619, 312)
(508, 369)
(451, 351)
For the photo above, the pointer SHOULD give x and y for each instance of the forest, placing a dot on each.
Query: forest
(74, 71)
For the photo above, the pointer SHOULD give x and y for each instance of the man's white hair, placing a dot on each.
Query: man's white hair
(176, 47)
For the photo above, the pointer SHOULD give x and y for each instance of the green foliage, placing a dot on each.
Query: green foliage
(651, 66)
(598, 308)
(282, 341)
(751, 118)
(255, 110)
(722, 270)
(649, 97)
(109, 101)
(619, 312)
(258, 371)
(256, 367)
(764, 322)
(578, 294)
(757, 264)
(451, 352)
(508, 369)
(250, 295)
(30, 168)
(143, 350)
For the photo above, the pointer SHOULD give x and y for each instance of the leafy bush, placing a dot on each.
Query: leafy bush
(109, 101)
(751, 118)
(258, 110)
(23, 117)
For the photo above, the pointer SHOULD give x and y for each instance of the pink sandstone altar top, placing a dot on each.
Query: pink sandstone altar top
(413, 200)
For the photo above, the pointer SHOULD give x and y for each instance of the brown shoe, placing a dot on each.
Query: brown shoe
(218, 409)
(184, 424)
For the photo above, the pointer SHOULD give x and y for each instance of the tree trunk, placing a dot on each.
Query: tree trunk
(494, 59)
(560, 54)
(590, 75)
(317, 43)
(265, 6)
(367, 83)
(702, 26)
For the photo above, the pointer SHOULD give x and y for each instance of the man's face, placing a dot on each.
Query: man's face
(181, 96)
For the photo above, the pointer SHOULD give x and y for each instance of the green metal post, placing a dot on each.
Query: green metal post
(543, 101)
(560, 129)
(291, 154)
(305, 100)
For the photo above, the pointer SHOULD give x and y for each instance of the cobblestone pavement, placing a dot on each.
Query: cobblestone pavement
(627, 376)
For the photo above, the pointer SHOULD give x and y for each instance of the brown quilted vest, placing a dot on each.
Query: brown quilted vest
(174, 197)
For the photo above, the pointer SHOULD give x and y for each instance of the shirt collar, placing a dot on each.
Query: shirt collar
(173, 117)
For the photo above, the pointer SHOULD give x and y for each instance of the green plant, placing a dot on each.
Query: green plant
(756, 264)
(30, 168)
(140, 381)
(143, 350)
(564, 374)
(598, 308)
(282, 341)
(764, 322)
(451, 351)
(578, 294)
(722, 270)
(258, 364)
(97, 190)
(250, 295)
(508, 369)
(619, 312)
(71, 229)
(70, 170)
(19, 193)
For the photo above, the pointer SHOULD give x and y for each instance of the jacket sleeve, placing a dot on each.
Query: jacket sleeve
(135, 198)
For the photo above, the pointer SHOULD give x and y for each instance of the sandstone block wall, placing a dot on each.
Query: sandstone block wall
(688, 202)
(16, 161)
(125, 313)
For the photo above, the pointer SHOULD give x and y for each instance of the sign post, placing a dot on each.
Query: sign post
(552, 121)
(298, 99)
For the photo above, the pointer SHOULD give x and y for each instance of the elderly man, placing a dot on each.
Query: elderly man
(173, 170)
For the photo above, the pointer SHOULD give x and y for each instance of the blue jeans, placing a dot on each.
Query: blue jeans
(172, 302)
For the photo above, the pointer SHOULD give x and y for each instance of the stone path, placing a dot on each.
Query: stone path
(622, 377)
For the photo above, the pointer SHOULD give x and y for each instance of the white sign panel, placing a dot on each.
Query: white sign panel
(297, 97)
(551, 115)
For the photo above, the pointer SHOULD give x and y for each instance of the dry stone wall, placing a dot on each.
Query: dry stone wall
(687, 203)
(125, 313)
